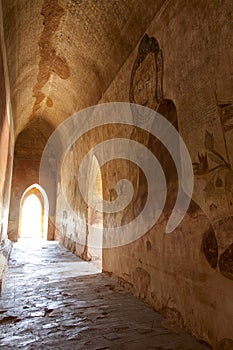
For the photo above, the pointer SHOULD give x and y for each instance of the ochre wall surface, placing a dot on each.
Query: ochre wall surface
(186, 275)
(6, 156)
(172, 56)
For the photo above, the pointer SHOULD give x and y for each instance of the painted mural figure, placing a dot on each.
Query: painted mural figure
(146, 78)
(146, 88)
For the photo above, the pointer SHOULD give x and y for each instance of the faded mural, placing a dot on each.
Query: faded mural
(217, 170)
(146, 88)
(197, 257)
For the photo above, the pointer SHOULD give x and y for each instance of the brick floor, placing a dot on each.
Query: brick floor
(54, 300)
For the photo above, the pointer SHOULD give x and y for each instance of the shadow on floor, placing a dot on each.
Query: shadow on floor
(54, 300)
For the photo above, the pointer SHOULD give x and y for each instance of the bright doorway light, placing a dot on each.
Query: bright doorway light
(33, 218)
(31, 224)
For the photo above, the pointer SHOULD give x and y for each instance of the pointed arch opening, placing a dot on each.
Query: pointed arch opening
(34, 209)
(94, 238)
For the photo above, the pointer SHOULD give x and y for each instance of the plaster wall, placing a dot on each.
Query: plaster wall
(6, 152)
(188, 274)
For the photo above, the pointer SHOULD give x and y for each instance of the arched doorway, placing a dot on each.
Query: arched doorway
(29, 147)
(33, 218)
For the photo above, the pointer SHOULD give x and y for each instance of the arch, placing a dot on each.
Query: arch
(28, 150)
(37, 195)
(93, 244)
(94, 217)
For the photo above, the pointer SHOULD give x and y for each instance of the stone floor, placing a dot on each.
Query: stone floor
(54, 300)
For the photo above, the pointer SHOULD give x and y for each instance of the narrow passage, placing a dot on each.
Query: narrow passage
(53, 300)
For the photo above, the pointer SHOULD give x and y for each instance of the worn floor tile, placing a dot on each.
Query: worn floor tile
(54, 300)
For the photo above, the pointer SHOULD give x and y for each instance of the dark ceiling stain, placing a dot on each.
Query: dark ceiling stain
(50, 62)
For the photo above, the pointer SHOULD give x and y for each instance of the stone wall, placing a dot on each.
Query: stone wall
(6, 147)
(187, 275)
(182, 69)
(73, 214)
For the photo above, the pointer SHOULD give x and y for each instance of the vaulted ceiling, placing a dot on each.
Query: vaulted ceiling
(63, 54)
